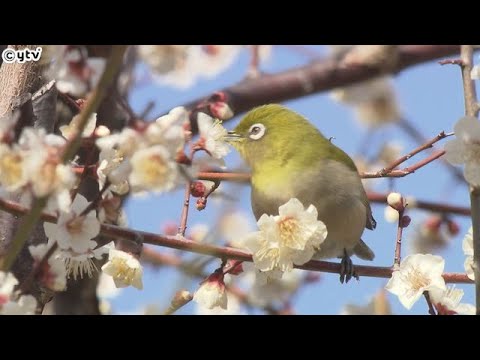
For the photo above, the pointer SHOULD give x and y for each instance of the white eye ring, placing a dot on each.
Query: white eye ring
(256, 131)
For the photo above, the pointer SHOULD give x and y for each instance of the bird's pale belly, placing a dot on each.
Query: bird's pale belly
(343, 213)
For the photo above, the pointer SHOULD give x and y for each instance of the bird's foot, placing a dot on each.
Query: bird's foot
(347, 270)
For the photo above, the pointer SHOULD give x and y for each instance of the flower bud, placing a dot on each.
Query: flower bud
(201, 203)
(221, 110)
(198, 189)
(396, 201)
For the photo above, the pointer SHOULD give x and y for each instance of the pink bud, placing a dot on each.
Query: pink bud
(170, 228)
(198, 189)
(453, 227)
(201, 203)
(433, 223)
(405, 221)
(220, 110)
(218, 96)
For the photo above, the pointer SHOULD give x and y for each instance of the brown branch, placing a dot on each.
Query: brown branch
(451, 62)
(471, 109)
(424, 205)
(180, 243)
(318, 76)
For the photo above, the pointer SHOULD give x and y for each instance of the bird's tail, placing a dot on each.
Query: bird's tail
(363, 251)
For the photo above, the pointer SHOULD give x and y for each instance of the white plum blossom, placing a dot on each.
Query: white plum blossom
(233, 308)
(467, 246)
(234, 226)
(74, 231)
(106, 288)
(182, 65)
(13, 175)
(417, 273)
(447, 302)
(212, 293)
(465, 148)
(54, 274)
(124, 268)
(475, 73)
(70, 130)
(74, 72)
(42, 162)
(168, 130)
(8, 281)
(126, 142)
(212, 134)
(25, 305)
(9, 303)
(153, 169)
(111, 166)
(267, 290)
(292, 237)
(390, 214)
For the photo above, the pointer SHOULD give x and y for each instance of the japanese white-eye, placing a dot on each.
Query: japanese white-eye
(290, 158)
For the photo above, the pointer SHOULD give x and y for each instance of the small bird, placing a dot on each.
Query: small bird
(290, 158)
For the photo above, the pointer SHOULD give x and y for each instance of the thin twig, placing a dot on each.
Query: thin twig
(431, 308)
(398, 242)
(416, 135)
(180, 243)
(93, 205)
(404, 172)
(186, 204)
(451, 62)
(412, 153)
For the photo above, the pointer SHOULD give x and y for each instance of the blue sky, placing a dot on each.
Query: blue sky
(430, 96)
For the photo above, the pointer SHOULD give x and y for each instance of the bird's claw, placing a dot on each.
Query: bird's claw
(347, 270)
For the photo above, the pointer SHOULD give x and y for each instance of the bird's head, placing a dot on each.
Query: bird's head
(269, 131)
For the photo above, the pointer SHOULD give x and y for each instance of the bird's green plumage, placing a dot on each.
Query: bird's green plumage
(290, 135)
(294, 159)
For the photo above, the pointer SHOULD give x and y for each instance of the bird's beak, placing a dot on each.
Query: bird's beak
(232, 136)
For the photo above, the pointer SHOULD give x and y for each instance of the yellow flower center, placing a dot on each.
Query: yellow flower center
(417, 280)
(75, 225)
(289, 231)
(11, 170)
(123, 272)
(154, 169)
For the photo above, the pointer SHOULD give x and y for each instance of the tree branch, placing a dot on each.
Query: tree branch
(471, 109)
(315, 77)
(180, 243)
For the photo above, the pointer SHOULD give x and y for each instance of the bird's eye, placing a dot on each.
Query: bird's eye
(256, 131)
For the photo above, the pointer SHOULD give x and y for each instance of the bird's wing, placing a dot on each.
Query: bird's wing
(371, 223)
